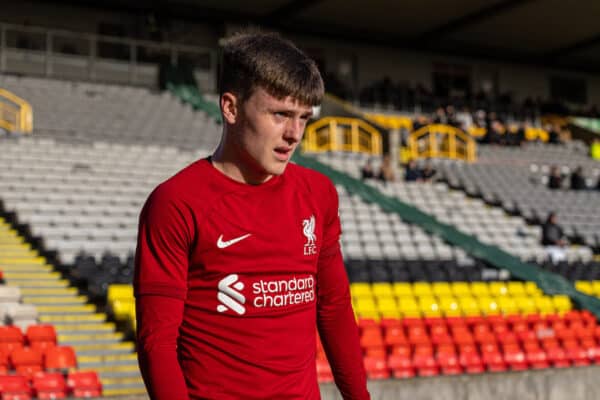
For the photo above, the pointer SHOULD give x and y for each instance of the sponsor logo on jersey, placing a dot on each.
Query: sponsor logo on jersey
(308, 229)
(267, 293)
(230, 295)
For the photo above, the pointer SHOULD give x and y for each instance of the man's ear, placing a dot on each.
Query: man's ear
(229, 107)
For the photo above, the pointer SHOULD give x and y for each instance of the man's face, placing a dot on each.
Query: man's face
(266, 132)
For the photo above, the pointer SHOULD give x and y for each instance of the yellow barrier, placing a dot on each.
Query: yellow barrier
(390, 121)
(342, 134)
(438, 140)
(16, 114)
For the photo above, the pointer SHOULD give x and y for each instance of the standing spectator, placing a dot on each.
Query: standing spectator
(555, 178)
(412, 173)
(386, 173)
(554, 239)
(428, 172)
(578, 180)
(367, 171)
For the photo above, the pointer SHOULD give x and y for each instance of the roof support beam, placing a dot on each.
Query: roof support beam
(573, 47)
(289, 9)
(469, 19)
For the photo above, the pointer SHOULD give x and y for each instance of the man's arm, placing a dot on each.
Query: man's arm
(160, 288)
(335, 318)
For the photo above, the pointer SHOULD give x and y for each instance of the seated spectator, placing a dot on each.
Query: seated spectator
(553, 134)
(555, 178)
(386, 173)
(367, 170)
(420, 122)
(440, 116)
(412, 172)
(578, 180)
(428, 172)
(554, 239)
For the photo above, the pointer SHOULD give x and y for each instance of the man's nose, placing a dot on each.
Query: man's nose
(294, 129)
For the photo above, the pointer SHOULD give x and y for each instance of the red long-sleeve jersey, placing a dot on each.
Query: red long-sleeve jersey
(231, 280)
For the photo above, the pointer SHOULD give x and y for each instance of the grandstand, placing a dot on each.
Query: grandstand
(449, 277)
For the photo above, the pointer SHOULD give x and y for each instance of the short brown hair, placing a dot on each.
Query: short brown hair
(266, 60)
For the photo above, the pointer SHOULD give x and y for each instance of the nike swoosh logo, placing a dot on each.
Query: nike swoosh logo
(222, 244)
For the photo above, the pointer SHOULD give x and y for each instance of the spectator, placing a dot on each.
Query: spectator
(386, 173)
(553, 134)
(440, 116)
(367, 170)
(578, 180)
(555, 178)
(428, 172)
(412, 172)
(553, 239)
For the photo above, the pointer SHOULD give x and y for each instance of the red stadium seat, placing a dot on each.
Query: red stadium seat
(558, 357)
(394, 335)
(60, 359)
(14, 387)
(27, 361)
(492, 357)
(41, 336)
(448, 361)
(49, 386)
(376, 367)
(11, 337)
(424, 361)
(324, 373)
(84, 384)
(536, 358)
(514, 357)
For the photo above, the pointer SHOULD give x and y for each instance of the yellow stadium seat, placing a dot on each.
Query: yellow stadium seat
(123, 309)
(364, 306)
(402, 289)
(544, 304)
(382, 289)
(429, 306)
(480, 289)
(469, 306)
(422, 289)
(408, 307)
(361, 289)
(119, 291)
(562, 303)
(508, 305)
(525, 305)
(596, 287)
(532, 289)
(498, 289)
(461, 289)
(441, 289)
(585, 287)
(516, 288)
(388, 307)
(450, 307)
(489, 306)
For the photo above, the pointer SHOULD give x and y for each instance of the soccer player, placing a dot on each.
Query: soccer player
(238, 259)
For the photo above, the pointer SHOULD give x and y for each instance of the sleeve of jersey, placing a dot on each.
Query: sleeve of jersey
(160, 288)
(335, 318)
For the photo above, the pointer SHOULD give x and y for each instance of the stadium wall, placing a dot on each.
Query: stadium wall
(549, 384)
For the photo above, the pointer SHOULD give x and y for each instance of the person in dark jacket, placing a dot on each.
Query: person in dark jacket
(578, 180)
(553, 239)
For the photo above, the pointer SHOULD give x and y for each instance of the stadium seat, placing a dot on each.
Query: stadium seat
(41, 336)
(48, 386)
(84, 384)
(14, 387)
(60, 359)
(27, 361)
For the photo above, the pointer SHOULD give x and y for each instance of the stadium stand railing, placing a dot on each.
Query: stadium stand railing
(342, 134)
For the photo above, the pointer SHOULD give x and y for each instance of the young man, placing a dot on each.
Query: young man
(238, 257)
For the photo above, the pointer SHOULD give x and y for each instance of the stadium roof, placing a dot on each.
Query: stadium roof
(555, 33)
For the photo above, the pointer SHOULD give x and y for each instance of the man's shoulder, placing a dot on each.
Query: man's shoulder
(177, 186)
(309, 177)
